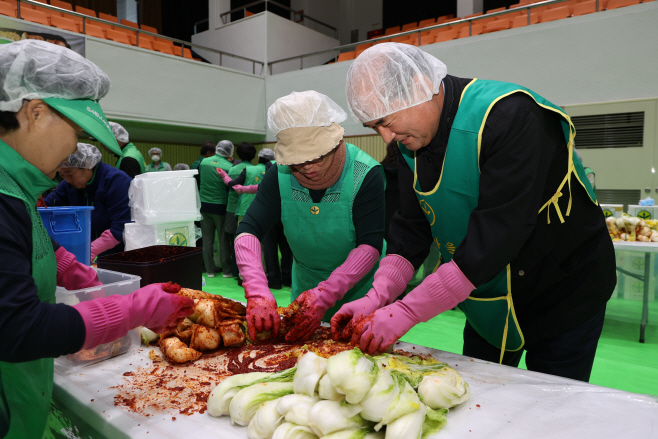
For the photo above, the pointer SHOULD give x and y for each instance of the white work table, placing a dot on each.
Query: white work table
(647, 248)
(505, 403)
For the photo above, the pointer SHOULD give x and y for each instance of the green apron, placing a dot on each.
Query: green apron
(255, 175)
(161, 168)
(130, 150)
(26, 388)
(321, 235)
(233, 196)
(213, 189)
(448, 206)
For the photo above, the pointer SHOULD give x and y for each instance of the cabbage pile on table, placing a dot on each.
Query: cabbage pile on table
(347, 396)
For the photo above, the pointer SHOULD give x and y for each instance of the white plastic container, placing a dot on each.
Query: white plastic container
(634, 262)
(113, 283)
(612, 210)
(143, 235)
(165, 197)
(644, 212)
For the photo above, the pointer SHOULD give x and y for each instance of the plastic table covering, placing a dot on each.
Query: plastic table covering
(505, 403)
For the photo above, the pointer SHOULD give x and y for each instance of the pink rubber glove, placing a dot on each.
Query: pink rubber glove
(391, 279)
(261, 304)
(104, 242)
(439, 292)
(222, 173)
(73, 275)
(245, 189)
(314, 303)
(109, 318)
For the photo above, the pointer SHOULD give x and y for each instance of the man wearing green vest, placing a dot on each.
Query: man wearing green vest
(207, 150)
(131, 161)
(156, 164)
(329, 195)
(214, 197)
(488, 174)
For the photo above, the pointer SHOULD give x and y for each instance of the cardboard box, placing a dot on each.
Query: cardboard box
(644, 212)
(612, 210)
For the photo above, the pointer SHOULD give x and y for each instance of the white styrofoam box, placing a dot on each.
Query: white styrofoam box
(113, 283)
(165, 197)
(644, 212)
(143, 235)
(612, 210)
(629, 287)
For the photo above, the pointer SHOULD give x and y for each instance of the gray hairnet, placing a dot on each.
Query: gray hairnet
(31, 69)
(390, 77)
(86, 157)
(119, 132)
(181, 167)
(303, 109)
(224, 148)
(157, 151)
(266, 153)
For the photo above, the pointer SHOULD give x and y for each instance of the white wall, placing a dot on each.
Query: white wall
(344, 15)
(265, 36)
(602, 57)
(246, 37)
(153, 88)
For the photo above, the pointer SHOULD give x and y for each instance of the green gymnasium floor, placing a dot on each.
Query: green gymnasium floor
(621, 361)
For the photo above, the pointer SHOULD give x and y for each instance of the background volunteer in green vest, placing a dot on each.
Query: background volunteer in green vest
(48, 97)
(157, 165)
(214, 196)
(90, 182)
(329, 195)
(246, 153)
(131, 161)
(487, 173)
(274, 241)
(207, 150)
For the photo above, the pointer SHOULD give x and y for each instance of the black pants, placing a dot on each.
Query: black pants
(274, 241)
(568, 355)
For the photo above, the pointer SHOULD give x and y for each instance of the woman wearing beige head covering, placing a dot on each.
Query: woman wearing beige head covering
(329, 195)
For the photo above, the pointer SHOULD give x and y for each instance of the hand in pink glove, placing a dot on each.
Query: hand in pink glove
(261, 305)
(245, 189)
(109, 318)
(222, 173)
(439, 292)
(104, 242)
(73, 275)
(315, 303)
(391, 279)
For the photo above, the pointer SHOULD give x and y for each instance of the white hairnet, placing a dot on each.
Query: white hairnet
(157, 151)
(32, 69)
(303, 109)
(266, 153)
(224, 148)
(119, 132)
(181, 167)
(86, 157)
(390, 77)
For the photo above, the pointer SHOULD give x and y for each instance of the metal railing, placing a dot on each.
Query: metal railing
(224, 15)
(183, 44)
(418, 32)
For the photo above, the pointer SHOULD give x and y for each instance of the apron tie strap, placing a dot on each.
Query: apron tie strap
(553, 200)
(502, 347)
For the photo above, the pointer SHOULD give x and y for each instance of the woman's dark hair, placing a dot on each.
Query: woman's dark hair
(8, 121)
(391, 158)
(207, 147)
(246, 151)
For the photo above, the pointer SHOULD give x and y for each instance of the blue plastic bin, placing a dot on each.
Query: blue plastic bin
(70, 226)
